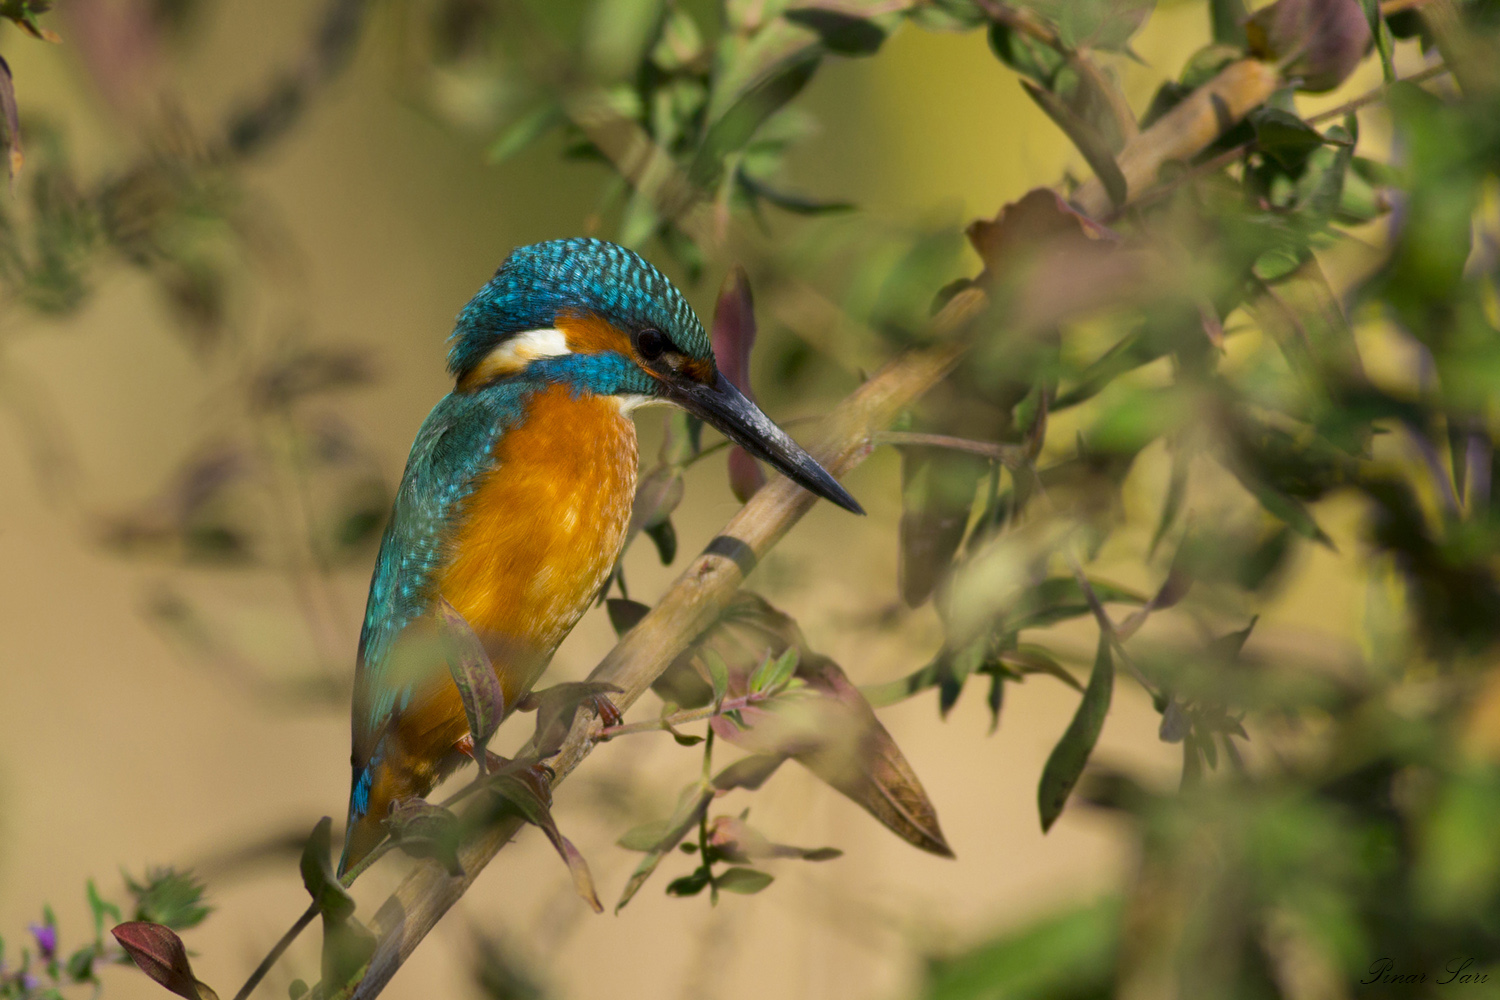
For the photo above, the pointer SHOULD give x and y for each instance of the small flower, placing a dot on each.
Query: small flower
(46, 939)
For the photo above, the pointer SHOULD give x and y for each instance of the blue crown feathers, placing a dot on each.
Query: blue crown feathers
(538, 282)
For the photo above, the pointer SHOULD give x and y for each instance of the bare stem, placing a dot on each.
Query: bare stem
(683, 718)
(276, 952)
(1011, 456)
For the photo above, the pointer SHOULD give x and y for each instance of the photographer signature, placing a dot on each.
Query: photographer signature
(1455, 972)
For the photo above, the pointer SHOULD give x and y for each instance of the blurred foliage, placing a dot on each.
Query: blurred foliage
(45, 970)
(1163, 334)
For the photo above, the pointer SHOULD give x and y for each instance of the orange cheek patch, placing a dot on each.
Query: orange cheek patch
(699, 370)
(589, 333)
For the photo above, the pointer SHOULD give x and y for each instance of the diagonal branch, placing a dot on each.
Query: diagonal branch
(690, 606)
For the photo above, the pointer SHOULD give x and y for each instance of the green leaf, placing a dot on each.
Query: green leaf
(169, 897)
(1025, 54)
(1384, 43)
(101, 908)
(664, 536)
(625, 613)
(332, 899)
(645, 837)
(718, 672)
(738, 124)
(846, 34)
(1283, 136)
(1066, 763)
(1072, 954)
(689, 885)
(744, 881)
(524, 131)
(773, 674)
(1089, 141)
(1227, 18)
(691, 805)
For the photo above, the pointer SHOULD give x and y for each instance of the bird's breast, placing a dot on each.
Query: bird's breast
(541, 529)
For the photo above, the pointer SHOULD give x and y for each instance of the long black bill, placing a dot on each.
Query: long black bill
(740, 420)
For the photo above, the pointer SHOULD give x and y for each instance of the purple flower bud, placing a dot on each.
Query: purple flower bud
(46, 939)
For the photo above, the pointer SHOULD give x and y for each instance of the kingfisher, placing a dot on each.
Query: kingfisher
(516, 496)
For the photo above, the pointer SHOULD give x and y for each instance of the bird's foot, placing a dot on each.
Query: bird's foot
(492, 761)
(556, 707)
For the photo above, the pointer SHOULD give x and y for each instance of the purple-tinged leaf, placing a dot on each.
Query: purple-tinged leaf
(1323, 40)
(557, 706)
(745, 474)
(739, 843)
(657, 496)
(474, 675)
(829, 727)
(159, 953)
(515, 786)
(423, 830)
(733, 336)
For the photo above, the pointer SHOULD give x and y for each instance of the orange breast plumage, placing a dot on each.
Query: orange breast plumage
(539, 533)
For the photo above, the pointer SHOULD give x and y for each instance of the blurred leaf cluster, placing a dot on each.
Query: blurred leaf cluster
(1170, 388)
(171, 898)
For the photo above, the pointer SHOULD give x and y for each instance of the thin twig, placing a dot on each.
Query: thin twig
(276, 952)
(686, 717)
(1011, 456)
(1377, 94)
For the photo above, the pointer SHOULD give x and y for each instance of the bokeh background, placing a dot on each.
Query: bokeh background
(124, 745)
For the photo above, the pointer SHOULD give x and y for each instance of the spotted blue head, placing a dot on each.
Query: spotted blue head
(598, 317)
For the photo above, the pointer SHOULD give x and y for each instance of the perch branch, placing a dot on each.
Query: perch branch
(690, 606)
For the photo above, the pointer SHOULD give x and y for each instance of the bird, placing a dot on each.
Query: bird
(516, 498)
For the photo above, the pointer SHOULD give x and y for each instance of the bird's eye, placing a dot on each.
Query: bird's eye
(652, 344)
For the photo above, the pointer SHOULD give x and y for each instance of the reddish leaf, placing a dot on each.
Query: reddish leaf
(733, 336)
(828, 727)
(1323, 39)
(556, 707)
(739, 843)
(514, 786)
(1039, 220)
(160, 954)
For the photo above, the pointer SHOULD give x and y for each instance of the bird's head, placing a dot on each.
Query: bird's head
(596, 316)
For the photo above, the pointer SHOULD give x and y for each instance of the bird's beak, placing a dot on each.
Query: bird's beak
(740, 420)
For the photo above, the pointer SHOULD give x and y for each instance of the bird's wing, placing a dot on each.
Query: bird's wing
(452, 448)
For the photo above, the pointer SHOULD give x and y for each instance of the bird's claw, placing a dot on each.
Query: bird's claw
(492, 761)
(605, 709)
